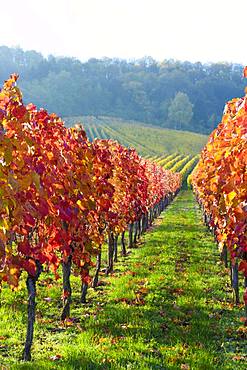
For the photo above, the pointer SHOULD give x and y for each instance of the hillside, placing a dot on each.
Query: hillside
(147, 139)
(143, 90)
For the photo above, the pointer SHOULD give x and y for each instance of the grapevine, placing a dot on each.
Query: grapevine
(220, 181)
(62, 196)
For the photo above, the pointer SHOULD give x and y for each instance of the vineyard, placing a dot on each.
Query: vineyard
(105, 254)
(147, 140)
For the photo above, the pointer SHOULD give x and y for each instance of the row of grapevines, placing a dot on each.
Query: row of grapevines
(126, 138)
(160, 158)
(179, 164)
(167, 158)
(171, 162)
(61, 196)
(220, 181)
(188, 168)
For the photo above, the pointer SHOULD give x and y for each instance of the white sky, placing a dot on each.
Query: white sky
(194, 30)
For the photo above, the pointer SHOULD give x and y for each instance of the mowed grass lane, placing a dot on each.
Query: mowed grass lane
(166, 306)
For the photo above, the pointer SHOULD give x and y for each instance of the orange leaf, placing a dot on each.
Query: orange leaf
(243, 319)
(245, 72)
(50, 155)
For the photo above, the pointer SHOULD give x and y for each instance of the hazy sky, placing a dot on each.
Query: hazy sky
(195, 30)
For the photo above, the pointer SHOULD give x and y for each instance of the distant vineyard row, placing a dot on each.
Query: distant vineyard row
(147, 140)
(182, 163)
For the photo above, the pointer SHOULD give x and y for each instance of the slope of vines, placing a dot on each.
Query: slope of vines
(145, 138)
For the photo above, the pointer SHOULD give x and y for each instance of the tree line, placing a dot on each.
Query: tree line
(173, 94)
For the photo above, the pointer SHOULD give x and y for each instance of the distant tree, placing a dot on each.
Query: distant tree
(212, 122)
(141, 89)
(163, 110)
(180, 111)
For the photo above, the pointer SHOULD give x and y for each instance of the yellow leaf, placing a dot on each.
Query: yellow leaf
(79, 203)
(13, 270)
(230, 197)
(228, 153)
(103, 340)
(4, 226)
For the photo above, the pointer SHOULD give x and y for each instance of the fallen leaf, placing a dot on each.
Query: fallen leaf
(56, 357)
(47, 299)
(239, 358)
(184, 367)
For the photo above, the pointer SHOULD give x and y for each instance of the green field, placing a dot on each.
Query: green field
(166, 306)
(147, 139)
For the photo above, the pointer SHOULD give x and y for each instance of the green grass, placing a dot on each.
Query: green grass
(167, 306)
(147, 139)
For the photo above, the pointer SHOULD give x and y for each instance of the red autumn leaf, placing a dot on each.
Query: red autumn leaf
(66, 294)
(24, 248)
(43, 207)
(42, 258)
(29, 220)
(30, 267)
(19, 112)
(243, 267)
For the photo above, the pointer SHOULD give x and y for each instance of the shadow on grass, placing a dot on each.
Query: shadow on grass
(163, 328)
(160, 322)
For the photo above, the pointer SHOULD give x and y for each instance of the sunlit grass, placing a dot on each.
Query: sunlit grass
(166, 306)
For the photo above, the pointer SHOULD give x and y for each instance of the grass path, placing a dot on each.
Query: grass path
(167, 306)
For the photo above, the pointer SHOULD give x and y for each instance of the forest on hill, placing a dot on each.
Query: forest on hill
(172, 94)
